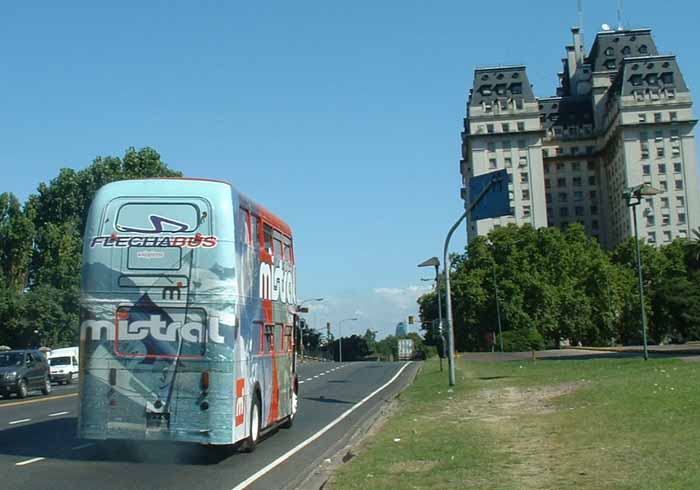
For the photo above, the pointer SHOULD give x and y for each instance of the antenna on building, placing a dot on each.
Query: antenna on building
(580, 14)
(619, 16)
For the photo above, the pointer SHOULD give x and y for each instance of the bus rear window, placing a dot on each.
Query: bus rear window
(157, 217)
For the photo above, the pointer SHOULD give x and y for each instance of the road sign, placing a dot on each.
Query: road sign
(496, 202)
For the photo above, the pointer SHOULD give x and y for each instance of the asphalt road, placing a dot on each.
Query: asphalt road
(39, 449)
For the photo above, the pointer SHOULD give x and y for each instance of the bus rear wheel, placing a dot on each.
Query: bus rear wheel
(255, 416)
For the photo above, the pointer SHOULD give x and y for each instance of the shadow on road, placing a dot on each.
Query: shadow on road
(56, 439)
(323, 399)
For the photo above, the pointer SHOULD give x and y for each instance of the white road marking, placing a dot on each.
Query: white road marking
(315, 376)
(19, 421)
(29, 461)
(308, 379)
(301, 382)
(83, 446)
(58, 414)
(263, 471)
(322, 374)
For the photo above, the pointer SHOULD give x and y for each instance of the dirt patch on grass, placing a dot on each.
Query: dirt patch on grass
(412, 467)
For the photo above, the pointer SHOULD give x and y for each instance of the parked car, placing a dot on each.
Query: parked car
(22, 371)
(63, 365)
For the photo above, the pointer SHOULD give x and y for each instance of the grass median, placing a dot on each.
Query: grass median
(583, 424)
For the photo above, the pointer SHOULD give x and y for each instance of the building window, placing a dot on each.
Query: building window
(574, 150)
(674, 135)
(663, 186)
(526, 194)
(665, 219)
(659, 135)
(579, 210)
(577, 181)
(592, 195)
(575, 166)
(545, 153)
(548, 198)
(522, 144)
(590, 165)
(650, 220)
(659, 151)
(680, 201)
(646, 169)
(560, 167)
(643, 136)
(657, 117)
(662, 168)
(664, 203)
(578, 196)
(524, 178)
(489, 128)
(506, 145)
(526, 211)
(667, 236)
(521, 126)
(492, 163)
(563, 212)
(591, 180)
(650, 202)
(676, 151)
(673, 116)
(518, 103)
(642, 117)
(594, 224)
(594, 210)
(681, 218)
(505, 127)
(561, 182)
(563, 197)
(547, 184)
(651, 237)
(487, 107)
(508, 161)
(679, 184)
(504, 104)
(522, 161)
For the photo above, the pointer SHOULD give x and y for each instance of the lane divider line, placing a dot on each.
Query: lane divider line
(29, 461)
(301, 382)
(83, 446)
(18, 421)
(47, 399)
(58, 414)
(266, 469)
(308, 379)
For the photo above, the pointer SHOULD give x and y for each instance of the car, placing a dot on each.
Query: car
(63, 365)
(22, 371)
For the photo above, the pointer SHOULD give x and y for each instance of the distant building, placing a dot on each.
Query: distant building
(622, 116)
(401, 330)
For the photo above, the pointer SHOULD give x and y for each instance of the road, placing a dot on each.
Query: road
(39, 449)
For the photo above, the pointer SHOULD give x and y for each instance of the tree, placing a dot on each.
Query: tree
(17, 233)
(370, 337)
(354, 348)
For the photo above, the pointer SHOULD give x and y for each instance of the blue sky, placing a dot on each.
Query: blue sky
(343, 119)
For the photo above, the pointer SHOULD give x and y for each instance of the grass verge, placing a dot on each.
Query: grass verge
(593, 424)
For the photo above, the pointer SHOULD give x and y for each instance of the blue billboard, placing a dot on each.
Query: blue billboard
(496, 201)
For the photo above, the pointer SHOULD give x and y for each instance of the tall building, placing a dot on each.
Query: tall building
(622, 116)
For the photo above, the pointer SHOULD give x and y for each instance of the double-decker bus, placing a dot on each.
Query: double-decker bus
(188, 315)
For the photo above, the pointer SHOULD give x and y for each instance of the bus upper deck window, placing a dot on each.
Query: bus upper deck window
(268, 237)
(287, 250)
(277, 251)
(254, 220)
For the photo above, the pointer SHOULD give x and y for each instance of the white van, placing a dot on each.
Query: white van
(63, 365)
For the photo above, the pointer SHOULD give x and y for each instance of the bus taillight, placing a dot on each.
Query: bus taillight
(205, 381)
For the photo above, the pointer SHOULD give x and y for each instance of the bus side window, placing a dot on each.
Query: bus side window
(246, 225)
(277, 248)
(279, 337)
(270, 338)
(268, 237)
(254, 226)
(261, 330)
(287, 250)
(288, 332)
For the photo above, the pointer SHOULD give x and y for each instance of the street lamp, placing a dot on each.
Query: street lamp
(299, 309)
(340, 337)
(498, 304)
(435, 262)
(633, 196)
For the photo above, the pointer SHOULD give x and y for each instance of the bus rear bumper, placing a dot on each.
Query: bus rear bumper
(136, 432)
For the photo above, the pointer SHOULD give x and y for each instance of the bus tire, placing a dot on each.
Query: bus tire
(255, 420)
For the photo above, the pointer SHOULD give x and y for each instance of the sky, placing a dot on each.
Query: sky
(342, 118)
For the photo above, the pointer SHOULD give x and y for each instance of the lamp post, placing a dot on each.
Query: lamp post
(446, 261)
(299, 309)
(498, 303)
(435, 262)
(633, 196)
(340, 337)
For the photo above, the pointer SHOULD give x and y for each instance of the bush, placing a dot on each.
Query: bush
(429, 351)
(521, 340)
